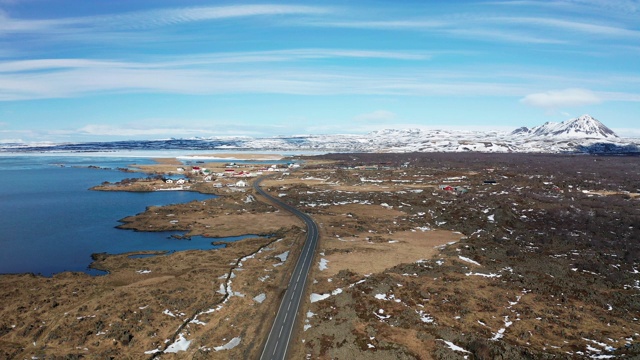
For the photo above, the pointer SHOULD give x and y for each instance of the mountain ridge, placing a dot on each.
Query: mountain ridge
(584, 134)
(580, 127)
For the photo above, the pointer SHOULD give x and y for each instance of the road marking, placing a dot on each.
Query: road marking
(303, 265)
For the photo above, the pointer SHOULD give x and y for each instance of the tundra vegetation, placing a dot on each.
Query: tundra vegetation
(421, 256)
(547, 266)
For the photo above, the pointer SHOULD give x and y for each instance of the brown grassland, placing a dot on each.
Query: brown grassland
(540, 262)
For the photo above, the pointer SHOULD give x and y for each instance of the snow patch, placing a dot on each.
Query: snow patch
(323, 264)
(230, 345)
(283, 257)
(181, 344)
(483, 275)
(260, 298)
(318, 297)
(454, 347)
(468, 260)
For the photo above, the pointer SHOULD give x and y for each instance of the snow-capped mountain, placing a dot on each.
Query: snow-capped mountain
(584, 126)
(581, 135)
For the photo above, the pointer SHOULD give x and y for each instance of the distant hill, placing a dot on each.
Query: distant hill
(584, 126)
(580, 135)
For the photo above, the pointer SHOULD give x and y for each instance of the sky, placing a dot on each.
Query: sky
(78, 70)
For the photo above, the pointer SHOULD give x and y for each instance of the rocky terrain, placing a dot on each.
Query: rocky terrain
(547, 266)
(421, 256)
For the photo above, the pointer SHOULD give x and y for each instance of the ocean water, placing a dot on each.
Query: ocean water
(51, 222)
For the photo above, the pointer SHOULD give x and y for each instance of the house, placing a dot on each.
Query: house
(241, 183)
(180, 169)
(446, 187)
(207, 178)
(180, 181)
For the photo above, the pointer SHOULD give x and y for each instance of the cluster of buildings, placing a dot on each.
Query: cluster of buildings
(231, 171)
(454, 189)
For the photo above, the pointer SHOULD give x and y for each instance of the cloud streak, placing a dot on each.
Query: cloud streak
(376, 116)
(252, 73)
(153, 18)
(290, 55)
(555, 99)
(83, 82)
(581, 27)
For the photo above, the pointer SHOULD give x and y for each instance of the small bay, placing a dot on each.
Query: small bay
(51, 222)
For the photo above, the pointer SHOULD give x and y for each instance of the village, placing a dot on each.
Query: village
(216, 178)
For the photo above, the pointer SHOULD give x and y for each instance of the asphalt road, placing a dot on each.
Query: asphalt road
(277, 343)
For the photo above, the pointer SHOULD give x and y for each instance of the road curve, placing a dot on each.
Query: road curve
(277, 343)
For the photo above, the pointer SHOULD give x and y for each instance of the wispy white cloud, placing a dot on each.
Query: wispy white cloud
(511, 27)
(146, 132)
(619, 96)
(51, 78)
(153, 18)
(583, 27)
(101, 77)
(253, 72)
(617, 6)
(500, 35)
(54, 64)
(376, 116)
(165, 17)
(627, 132)
(555, 99)
(210, 59)
(161, 128)
(401, 24)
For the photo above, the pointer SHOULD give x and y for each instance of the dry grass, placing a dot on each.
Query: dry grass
(360, 255)
(229, 225)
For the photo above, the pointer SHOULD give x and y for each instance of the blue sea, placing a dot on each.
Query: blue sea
(51, 222)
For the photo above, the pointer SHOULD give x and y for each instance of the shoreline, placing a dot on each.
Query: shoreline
(152, 154)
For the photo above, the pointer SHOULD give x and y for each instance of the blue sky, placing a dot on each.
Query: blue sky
(111, 70)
